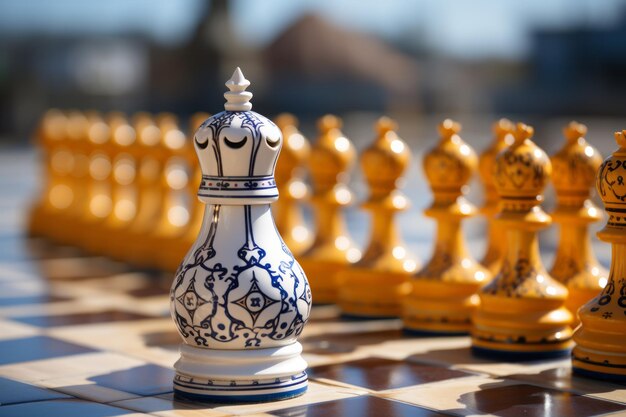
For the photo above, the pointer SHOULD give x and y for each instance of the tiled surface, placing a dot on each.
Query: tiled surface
(379, 374)
(85, 336)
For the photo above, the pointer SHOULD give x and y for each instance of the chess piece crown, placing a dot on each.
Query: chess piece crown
(574, 168)
(448, 167)
(242, 135)
(332, 155)
(521, 173)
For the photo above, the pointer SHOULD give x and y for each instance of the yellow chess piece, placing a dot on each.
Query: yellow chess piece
(332, 250)
(104, 195)
(291, 186)
(98, 203)
(67, 225)
(180, 245)
(522, 313)
(376, 285)
(124, 188)
(50, 138)
(496, 235)
(575, 265)
(175, 212)
(443, 294)
(600, 350)
(149, 156)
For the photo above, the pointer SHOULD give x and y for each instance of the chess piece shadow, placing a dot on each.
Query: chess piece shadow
(504, 398)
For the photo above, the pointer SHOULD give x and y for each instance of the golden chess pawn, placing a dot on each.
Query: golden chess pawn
(600, 350)
(124, 190)
(67, 226)
(54, 196)
(144, 151)
(175, 215)
(575, 265)
(98, 187)
(443, 293)
(181, 244)
(376, 285)
(522, 313)
(121, 178)
(496, 235)
(289, 177)
(332, 250)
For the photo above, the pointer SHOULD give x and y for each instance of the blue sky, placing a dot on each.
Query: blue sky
(472, 29)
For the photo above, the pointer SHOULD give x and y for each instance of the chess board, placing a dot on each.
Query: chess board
(87, 336)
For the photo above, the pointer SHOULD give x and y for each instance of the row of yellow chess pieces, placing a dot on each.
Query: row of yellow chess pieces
(126, 189)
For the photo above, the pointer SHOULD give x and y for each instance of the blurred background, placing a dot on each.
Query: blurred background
(544, 62)
(539, 59)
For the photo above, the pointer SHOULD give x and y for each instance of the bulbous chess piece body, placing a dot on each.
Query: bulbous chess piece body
(496, 235)
(600, 350)
(239, 298)
(332, 250)
(376, 285)
(443, 294)
(575, 265)
(522, 314)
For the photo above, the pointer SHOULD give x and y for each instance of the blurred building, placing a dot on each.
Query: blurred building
(577, 71)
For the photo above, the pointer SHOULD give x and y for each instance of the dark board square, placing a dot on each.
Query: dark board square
(61, 408)
(81, 318)
(141, 380)
(383, 374)
(13, 392)
(529, 401)
(37, 348)
(363, 406)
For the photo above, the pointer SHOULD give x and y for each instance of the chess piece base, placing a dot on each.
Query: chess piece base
(372, 294)
(235, 376)
(443, 315)
(599, 352)
(601, 375)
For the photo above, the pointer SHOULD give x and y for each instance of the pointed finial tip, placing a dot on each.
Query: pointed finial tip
(237, 80)
(385, 124)
(503, 126)
(574, 130)
(523, 132)
(328, 122)
(237, 99)
(620, 138)
(449, 128)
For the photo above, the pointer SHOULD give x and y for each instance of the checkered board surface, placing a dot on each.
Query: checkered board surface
(86, 336)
